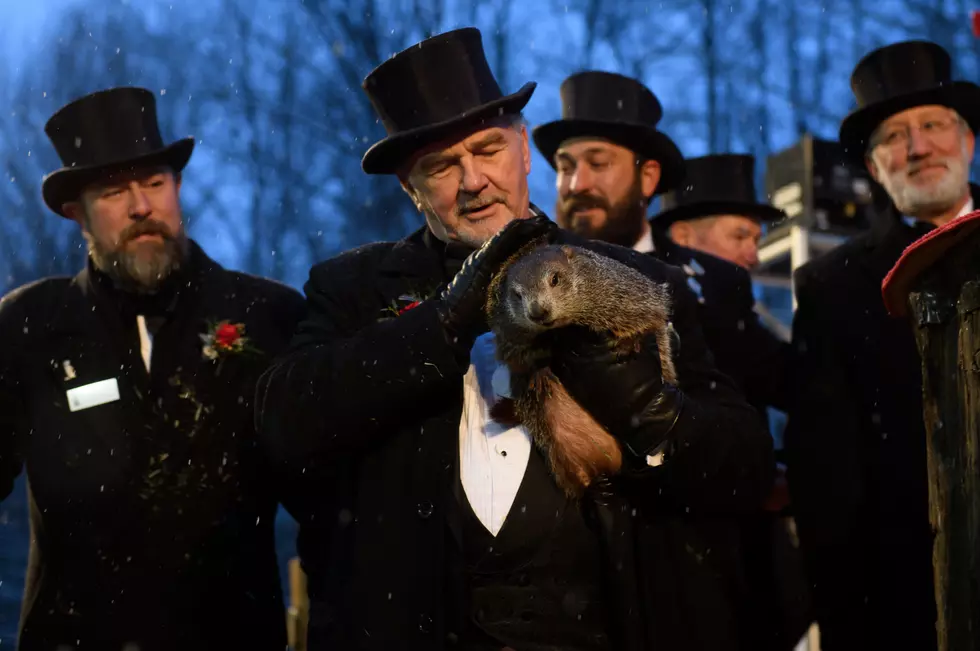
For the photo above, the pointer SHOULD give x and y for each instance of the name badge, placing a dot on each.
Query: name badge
(93, 395)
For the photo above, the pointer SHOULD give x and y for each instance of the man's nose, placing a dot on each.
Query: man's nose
(139, 203)
(581, 181)
(919, 146)
(474, 179)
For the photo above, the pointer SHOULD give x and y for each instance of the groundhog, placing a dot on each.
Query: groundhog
(544, 287)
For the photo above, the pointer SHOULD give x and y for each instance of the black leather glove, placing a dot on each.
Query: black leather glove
(461, 303)
(625, 393)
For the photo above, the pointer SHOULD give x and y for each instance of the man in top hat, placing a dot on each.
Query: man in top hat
(127, 395)
(611, 160)
(716, 211)
(432, 526)
(855, 437)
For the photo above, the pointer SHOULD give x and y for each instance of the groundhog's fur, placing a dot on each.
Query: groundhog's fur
(546, 287)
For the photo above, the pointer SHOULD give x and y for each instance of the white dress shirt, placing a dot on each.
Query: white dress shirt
(146, 341)
(492, 457)
(645, 243)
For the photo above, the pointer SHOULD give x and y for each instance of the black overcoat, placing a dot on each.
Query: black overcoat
(855, 443)
(152, 515)
(365, 412)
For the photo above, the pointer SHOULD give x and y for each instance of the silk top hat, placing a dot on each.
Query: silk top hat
(619, 109)
(720, 184)
(898, 77)
(430, 91)
(105, 132)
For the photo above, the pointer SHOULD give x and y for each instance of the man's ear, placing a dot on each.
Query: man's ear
(682, 233)
(525, 150)
(73, 210)
(872, 167)
(649, 177)
(410, 191)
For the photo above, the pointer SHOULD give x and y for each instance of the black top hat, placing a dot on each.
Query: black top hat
(619, 109)
(429, 91)
(720, 184)
(103, 132)
(897, 77)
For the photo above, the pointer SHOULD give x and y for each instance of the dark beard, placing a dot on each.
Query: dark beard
(141, 274)
(624, 218)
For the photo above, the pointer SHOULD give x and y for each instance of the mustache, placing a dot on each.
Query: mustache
(915, 168)
(479, 203)
(577, 202)
(145, 227)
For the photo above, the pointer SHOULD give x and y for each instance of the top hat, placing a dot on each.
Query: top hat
(104, 132)
(429, 91)
(720, 184)
(897, 77)
(619, 109)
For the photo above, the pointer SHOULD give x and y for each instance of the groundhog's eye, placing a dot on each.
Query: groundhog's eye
(554, 279)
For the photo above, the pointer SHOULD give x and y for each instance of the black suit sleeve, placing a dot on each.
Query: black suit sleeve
(822, 443)
(744, 348)
(13, 432)
(768, 365)
(720, 457)
(343, 384)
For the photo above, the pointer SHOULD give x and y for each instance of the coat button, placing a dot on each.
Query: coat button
(424, 509)
(425, 623)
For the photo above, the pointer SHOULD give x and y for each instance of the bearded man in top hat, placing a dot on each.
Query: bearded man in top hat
(432, 526)
(611, 159)
(127, 396)
(855, 437)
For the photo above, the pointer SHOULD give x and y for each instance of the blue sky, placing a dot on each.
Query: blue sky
(22, 23)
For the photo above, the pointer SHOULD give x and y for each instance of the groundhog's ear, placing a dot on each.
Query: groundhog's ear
(568, 251)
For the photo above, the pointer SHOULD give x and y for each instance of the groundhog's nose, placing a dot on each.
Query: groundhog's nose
(537, 312)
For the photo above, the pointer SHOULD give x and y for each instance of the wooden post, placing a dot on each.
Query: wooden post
(944, 304)
(297, 619)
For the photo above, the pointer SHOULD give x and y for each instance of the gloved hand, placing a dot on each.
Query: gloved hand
(625, 393)
(461, 303)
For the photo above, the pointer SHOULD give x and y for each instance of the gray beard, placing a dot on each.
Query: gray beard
(916, 201)
(141, 274)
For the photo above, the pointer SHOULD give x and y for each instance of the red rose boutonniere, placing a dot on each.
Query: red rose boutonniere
(408, 307)
(223, 339)
(402, 305)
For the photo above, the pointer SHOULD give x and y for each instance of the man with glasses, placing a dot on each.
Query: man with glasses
(855, 439)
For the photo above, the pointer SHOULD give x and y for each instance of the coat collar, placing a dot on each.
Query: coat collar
(89, 294)
(890, 236)
(422, 256)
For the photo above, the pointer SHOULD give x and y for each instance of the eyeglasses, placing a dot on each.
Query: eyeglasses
(898, 137)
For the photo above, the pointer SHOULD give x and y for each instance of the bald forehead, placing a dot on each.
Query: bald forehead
(487, 134)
